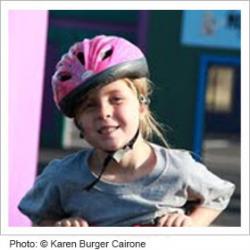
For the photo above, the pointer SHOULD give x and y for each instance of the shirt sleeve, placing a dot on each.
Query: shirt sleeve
(207, 188)
(43, 200)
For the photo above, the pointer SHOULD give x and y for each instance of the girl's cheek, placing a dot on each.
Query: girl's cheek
(85, 124)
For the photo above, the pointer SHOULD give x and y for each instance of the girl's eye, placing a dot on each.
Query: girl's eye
(88, 105)
(117, 99)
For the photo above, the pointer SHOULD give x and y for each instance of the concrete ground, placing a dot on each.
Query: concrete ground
(222, 156)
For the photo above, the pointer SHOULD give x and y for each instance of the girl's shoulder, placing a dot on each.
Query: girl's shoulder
(69, 163)
(176, 158)
(173, 153)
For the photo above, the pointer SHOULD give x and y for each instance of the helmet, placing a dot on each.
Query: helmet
(92, 62)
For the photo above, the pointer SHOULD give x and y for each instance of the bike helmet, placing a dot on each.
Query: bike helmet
(92, 62)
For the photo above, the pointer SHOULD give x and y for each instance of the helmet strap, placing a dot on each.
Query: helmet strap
(114, 155)
(119, 154)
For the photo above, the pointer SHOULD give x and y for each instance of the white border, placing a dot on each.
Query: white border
(128, 5)
(245, 117)
(105, 5)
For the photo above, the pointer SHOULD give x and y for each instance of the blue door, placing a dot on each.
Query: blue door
(218, 99)
(222, 102)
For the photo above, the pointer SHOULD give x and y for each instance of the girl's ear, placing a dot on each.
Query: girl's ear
(144, 102)
(144, 99)
(79, 126)
(143, 108)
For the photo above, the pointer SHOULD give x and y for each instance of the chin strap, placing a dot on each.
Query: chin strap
(118, 155)
(114, 155)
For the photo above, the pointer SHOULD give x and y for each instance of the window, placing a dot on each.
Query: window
(220, 87)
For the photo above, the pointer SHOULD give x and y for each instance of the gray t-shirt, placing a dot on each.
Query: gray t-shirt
(176, 180)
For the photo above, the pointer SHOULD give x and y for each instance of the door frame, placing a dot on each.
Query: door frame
(205, 60)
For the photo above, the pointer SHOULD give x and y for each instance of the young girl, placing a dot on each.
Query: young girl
(124, 180)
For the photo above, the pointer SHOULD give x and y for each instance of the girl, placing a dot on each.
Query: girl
(124, 180)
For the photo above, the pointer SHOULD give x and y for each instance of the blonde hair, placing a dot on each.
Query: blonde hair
(149, 126)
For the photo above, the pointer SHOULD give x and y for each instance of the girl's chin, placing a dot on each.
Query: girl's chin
(110, 146)
(107, 149)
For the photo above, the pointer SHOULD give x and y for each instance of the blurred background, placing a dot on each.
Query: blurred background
(194, 58)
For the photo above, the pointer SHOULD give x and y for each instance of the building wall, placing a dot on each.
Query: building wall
(176, 75)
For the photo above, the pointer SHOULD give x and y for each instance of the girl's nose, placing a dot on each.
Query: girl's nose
(105, 111)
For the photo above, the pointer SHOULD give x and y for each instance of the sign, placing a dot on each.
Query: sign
(211, 28)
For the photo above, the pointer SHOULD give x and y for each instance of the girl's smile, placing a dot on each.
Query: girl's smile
(107, 130)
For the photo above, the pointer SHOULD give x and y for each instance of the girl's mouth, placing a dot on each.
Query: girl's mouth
(106, 130)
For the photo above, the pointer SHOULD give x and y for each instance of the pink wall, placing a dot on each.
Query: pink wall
(27, 43)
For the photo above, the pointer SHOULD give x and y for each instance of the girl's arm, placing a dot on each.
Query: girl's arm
(199, 217)
(68, 222)
(203, 216)
(45, 223)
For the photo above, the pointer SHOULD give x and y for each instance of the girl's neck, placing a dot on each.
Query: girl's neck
(136, 163)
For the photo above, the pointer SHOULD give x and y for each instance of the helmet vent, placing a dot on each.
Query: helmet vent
(64, 76)
(80, 57)
(107, 54)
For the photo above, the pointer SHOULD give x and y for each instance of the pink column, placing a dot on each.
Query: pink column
(27, 44)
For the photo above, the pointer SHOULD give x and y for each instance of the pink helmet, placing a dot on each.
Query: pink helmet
(100, 60)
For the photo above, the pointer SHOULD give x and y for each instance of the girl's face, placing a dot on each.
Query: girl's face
(110, 116)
